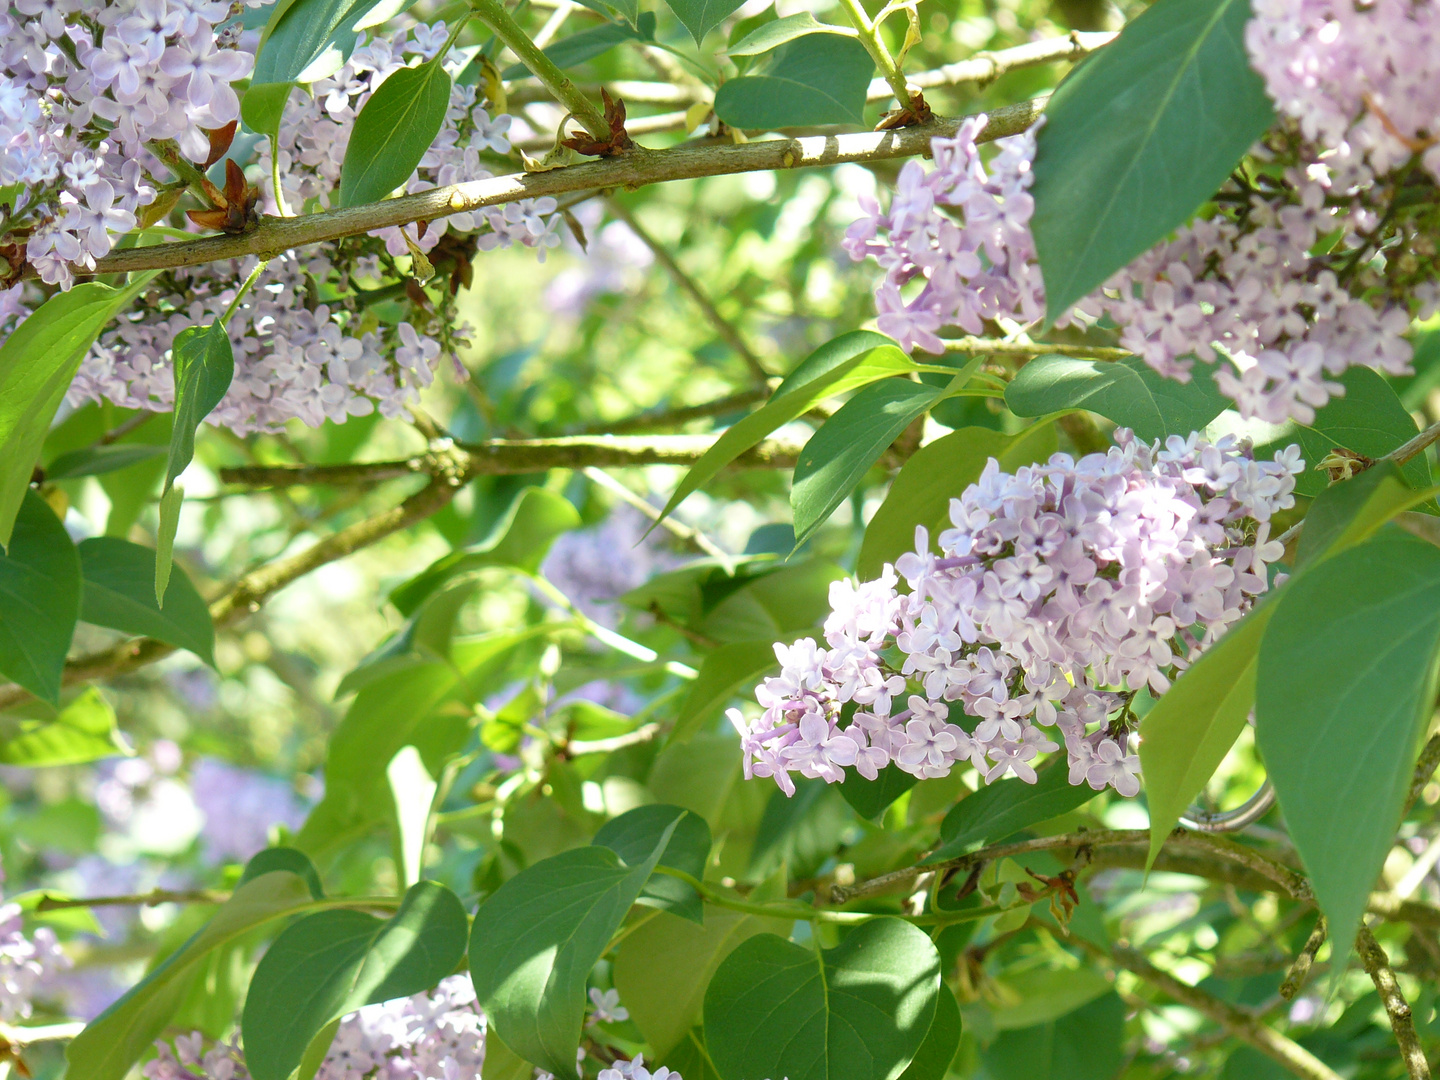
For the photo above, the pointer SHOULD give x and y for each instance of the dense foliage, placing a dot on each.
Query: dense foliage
(549, 540)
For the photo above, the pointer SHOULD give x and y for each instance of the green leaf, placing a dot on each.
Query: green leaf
(859, 1011)
(204, 365)
(95, 460)
(533, 943)
(838, 456)
(814, 79)
(291, 860)
(777, 32)
(799, 831)
(870, 798)
(940, 471)
(39, 599)
(1003, 808)
(1368, 419)
(119, 592)
(413, 791)
(702, 16)
(83, 730)
(1129, 393)
(1189, 731)
(393, 131)
(117, 1038)
(306, 40)
(1138, 137)
(263, 106)
(1191, 728)
(932, 1060)
(633, 836)
(412, 706)
(845, 363)
(38, 362)
(1345, 690)
(726, 672)
(664, 966)
(333, 962)
(1081, 1045)
(522, 538)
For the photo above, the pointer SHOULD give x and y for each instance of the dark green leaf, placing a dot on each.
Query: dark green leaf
(1000, 809)
(932, 1060)
(1082, 1045)
(333, 962)
(1138, 137)
(725, 672)
(1368, 419)
(95, 460)
(664, 966)
(522, 538)
(116, 1039)
(39, 599)
(120, 593)
(535, 940)
(838, 456)
(815, 79)
(38, 361)
(84, 730)
(845, 363)
(801, 830)
(777, 32)
(940, 471)
(633, 836)
(306, 40)
(1344, 692)
(263, 106)
(393, 131)
(870, 798)
(1129, 393)
(702, 16)
(289, 859)
(859, 1011)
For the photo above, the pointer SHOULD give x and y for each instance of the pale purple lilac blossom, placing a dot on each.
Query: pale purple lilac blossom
(1059, 591)
(1247, 290)
(27, 964)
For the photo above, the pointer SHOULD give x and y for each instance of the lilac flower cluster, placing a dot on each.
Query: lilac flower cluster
(239, 808)
(1362, 78)
(26, 963)
(1245, 285)
(439, 1036)
(965, 231)
(636, 1070)
(1060, 591)
(84, 86)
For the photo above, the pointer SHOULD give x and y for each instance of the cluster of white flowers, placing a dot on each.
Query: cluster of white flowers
(84, 86)
(26, 963)
(1060, 591)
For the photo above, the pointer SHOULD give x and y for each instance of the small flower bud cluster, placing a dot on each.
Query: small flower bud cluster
(84, 86)
(1363, 78)
(26, 963)
(1059, 592)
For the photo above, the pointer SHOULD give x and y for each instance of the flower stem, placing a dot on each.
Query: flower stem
(875, 45)
(494, 15)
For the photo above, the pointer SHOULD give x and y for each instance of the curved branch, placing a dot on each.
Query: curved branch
(635, 169)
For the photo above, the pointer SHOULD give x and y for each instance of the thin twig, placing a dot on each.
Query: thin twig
(662, 419)
(1425, 767)
(1415, 447)
(723, 326)
(149, 899)
(678, 529)
(1402, 1024)
(1300, 969)
(635, 169)
(1237, 1023)
(973, 346)
(579, 747)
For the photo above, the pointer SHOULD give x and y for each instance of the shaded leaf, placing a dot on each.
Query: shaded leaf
(96, 460)
(932, 1060)
(1084, 1044)
(39, 599)
(702, 16)
(1138, 137)
(814, 79)
(726, 672)
(633, 836)
(871, 798)
(119, 592)
(777, 32)
(1000, 809)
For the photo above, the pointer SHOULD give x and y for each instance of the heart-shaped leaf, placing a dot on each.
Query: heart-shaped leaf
(814, 79)
(859, 1011)
(633, 836)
